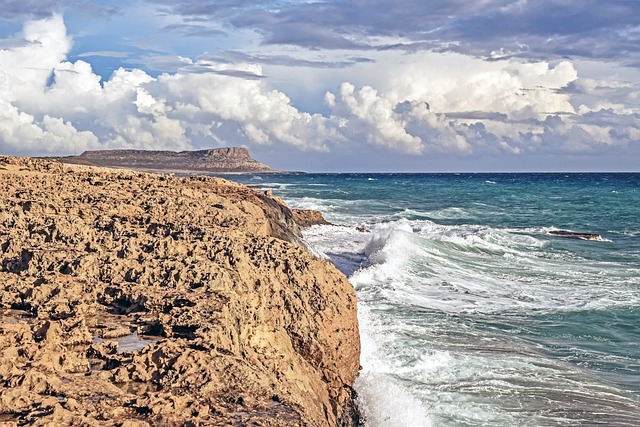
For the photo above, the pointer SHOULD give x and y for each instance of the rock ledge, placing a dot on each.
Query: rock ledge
(216, 160)
(134, 299)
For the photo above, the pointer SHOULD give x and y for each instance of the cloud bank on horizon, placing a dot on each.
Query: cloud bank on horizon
(515, 80)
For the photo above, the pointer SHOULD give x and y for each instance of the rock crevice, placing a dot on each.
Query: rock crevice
(138, 299)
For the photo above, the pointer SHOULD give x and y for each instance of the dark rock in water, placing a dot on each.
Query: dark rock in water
(575, 235)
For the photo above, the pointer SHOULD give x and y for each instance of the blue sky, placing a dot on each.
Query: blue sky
(410, 85)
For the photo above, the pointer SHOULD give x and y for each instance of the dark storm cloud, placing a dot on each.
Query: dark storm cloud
(284, 60)
(198, 7)
(241, 74)
(528, 29)
(478, 115)
(11, 9)
(194, 30)
(15, 9)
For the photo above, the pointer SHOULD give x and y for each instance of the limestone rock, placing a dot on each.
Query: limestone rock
(217, 160)
(308, 217)
(137, 299)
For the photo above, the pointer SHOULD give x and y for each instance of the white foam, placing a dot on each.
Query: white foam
(389, 242)
(448, 213)
(323, 205)
(417, 281)
(385, 403)
(462, 269)
(383, 400)
(422, 370)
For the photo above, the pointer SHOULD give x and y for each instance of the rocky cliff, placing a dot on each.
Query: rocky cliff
(218, 160)
(132, 299)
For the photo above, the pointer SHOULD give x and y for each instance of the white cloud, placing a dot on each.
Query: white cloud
(132, 109)
(481, 107)
(262, 115)
(20, 131)
(415, 104)
(29, 65)
(366, 113)
(106, 54)
(453, 83)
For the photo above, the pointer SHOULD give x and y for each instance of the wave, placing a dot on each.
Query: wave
(383, 399)
(318, 204)
(422, 370)
(446, 213)
(273, 185)
(467, 319)
(480, 269)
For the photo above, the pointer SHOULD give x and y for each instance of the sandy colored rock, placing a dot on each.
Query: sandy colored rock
(137, 299)
(216, 160)
(308, 217)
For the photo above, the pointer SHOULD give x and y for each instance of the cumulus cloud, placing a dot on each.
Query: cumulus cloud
(417, 104)
(431, 103)
(24, 75)
(52, 105)
(434, 103)
(374, 117)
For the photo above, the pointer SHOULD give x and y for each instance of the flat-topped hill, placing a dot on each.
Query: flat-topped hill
(216, 160)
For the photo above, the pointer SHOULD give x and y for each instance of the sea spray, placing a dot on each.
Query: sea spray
(471, 313)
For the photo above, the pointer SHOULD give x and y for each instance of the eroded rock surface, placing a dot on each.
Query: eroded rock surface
(133, 299)
(308, 217)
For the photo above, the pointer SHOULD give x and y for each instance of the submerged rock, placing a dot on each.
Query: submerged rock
(241, 325)
(575, 235)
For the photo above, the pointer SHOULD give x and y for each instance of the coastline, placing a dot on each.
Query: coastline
(182, 172)
(454, 331)
(213, 161)
(139, 299)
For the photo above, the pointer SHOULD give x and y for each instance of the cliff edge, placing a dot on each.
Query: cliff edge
(216, 160)
(133, 299)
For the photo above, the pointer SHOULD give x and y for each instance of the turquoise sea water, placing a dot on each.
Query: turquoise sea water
(471, 313)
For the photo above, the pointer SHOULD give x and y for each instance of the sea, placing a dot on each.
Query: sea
(472, 312)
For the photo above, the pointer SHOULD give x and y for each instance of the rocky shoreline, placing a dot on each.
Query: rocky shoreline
(228, 160)
(134, 299)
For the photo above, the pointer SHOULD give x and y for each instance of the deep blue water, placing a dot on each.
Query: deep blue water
(471, 312)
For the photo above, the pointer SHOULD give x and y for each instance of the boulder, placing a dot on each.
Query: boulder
(575, 235)
(308, 217)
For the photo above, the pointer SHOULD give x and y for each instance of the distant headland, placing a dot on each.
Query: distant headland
(216, 160)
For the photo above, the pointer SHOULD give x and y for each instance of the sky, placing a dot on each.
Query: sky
(329, 86)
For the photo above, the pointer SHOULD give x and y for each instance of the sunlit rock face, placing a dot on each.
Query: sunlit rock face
(221, 160)
(138, 299)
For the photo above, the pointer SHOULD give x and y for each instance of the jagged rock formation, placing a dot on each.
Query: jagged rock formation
(218, 160)
(133, 299)
(308, 217)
